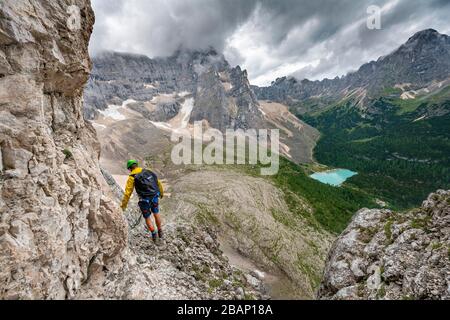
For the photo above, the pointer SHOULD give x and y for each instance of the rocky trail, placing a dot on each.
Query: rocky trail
(186, 264)
(244, 250)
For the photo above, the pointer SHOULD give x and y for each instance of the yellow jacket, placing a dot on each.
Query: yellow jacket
(130, 188)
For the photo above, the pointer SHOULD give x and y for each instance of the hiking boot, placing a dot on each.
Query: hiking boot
(154, 236)
(160, 234)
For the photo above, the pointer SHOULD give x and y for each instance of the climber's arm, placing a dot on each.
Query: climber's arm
(128, 192)
(161, 189)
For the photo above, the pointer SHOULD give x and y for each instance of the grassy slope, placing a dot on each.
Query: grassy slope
(333, 207)
(312, 212)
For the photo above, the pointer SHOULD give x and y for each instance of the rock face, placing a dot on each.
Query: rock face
(117, 77)
(56, 222)
(226, 101)
(421, 61)
(387, 255)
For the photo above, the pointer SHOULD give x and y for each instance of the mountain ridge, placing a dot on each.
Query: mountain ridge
(371, 78)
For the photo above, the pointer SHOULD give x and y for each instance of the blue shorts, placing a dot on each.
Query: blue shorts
(149, 206)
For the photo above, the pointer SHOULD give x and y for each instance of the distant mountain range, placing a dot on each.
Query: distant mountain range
(423, 61)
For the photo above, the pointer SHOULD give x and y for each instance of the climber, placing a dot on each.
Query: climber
(149, 190)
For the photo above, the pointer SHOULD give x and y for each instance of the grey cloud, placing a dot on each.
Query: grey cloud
(291, 31)
(159, 27)
(351, 51)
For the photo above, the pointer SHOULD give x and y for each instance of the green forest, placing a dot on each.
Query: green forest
(332, 207)
(401, 150)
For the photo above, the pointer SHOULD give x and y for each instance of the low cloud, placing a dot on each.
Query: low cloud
(270, 38)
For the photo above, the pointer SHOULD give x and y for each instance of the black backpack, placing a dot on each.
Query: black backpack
(146, 184)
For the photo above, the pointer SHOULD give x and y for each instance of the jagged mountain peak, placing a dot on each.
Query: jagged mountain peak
(210, 51)
(425, 40)
(426, 35)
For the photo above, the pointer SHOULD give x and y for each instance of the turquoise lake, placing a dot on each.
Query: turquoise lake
(334, 177)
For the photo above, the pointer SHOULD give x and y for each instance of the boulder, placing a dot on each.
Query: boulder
(388, 255)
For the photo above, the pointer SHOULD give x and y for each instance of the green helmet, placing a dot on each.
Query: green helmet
(131, 163)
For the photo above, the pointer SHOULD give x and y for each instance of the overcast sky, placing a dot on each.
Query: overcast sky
(270, 38)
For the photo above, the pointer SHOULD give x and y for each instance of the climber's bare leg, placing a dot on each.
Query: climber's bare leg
(158, 221)
(149, 224)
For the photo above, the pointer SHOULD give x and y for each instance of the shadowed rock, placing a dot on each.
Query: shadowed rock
(388, 255)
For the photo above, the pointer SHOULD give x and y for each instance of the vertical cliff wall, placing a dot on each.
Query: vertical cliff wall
(57, 225)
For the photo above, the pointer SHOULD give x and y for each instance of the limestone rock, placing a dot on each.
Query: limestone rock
(388, 255)
(57, 223)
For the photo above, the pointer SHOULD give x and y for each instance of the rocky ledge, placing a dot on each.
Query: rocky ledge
(186, 264)
(389, 255)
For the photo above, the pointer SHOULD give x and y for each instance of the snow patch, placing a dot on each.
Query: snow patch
(418, 119)
(408, 95)
(184, 115)
(113, 111)
(149, 86)
(285, 150)
(162, 96)
(98, 126)
(186, 111)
